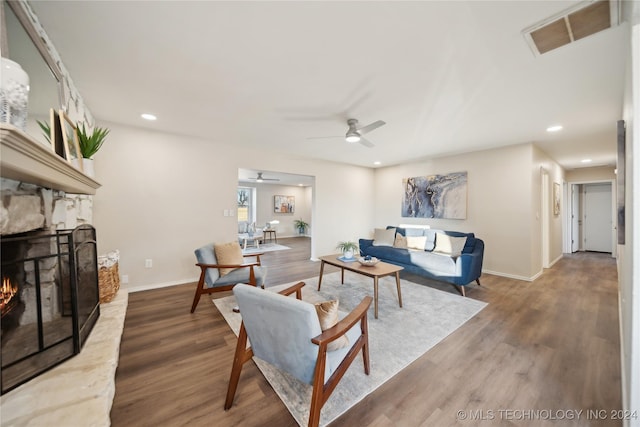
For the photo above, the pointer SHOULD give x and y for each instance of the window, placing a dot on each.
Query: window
(246, 204)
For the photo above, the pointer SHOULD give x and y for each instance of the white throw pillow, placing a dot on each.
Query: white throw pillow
(383, 237)
(416, 242)
(449, 245)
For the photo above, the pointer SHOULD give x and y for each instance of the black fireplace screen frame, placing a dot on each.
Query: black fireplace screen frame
(76, 301)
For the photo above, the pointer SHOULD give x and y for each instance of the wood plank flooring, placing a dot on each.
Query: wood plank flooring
(550, 346)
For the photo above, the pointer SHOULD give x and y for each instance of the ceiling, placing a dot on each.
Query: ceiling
(446, 77)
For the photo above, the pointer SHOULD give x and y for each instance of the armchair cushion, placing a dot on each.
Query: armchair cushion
(228, 254)
(328, 316)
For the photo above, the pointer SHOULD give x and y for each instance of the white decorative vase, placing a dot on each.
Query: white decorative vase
(14, 94)
(348, 254)
(87, 167)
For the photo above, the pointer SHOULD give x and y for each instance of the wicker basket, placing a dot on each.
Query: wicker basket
(108, 276)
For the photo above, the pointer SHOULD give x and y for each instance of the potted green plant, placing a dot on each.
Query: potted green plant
(46, 129)
(300, 225)
(347, 249)
(90, 143)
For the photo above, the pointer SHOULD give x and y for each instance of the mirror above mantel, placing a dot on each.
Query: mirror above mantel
(21, 44)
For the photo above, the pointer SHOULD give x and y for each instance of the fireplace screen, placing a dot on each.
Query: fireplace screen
(49, 300)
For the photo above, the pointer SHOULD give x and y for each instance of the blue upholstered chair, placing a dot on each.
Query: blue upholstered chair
(210, 280)
(286, 333)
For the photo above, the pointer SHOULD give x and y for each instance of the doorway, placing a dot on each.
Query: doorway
(592, 217)
(598, 221)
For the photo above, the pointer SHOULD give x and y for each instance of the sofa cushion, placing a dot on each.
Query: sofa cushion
(449, 245)
(408, 231)
(382, 237)
(431, 238)
(436, 263)
(400, 241)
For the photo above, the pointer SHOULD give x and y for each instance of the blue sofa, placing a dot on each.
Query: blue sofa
(459, 271)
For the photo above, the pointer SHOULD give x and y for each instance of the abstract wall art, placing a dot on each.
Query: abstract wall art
(435, 196)
(284, 204)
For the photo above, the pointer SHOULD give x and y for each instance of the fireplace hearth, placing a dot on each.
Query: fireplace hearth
(49, 300)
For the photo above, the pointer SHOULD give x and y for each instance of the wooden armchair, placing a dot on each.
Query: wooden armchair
(286, 332)
(211, 281)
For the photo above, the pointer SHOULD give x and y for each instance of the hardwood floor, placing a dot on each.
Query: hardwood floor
(538, 353)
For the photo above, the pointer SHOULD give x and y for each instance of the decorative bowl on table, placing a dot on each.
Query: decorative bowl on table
(368, 261)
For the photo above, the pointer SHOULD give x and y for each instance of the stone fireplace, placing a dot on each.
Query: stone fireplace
(44, 195)
(50, 300)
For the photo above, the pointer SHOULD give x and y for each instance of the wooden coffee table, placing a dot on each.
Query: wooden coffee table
(377, 271)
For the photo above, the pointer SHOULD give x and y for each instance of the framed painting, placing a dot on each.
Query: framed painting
(71, 142)
(435, 196)
(284, 204)
(556, 199)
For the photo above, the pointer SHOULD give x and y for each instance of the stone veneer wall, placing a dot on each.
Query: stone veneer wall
(27, 207)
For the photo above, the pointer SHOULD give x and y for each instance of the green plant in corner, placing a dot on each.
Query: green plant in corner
(90, 143)
(300, 225)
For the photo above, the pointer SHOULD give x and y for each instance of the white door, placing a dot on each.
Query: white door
(575, 218)
(598, 221)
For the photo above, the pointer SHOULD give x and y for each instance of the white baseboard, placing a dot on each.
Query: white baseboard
(138, 288)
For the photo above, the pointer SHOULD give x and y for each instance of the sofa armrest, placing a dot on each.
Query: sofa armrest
(363, 244)
(470, 264)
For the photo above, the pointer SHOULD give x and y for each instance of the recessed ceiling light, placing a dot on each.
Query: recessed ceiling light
(148, 116)
(377, 163)
(554, 128)
(586, 160)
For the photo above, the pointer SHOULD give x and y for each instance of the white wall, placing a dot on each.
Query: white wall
(629, 253)
(502, 201)
(163, 195)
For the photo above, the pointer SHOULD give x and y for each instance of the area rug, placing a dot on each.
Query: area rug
(265, 247)
(398, 337)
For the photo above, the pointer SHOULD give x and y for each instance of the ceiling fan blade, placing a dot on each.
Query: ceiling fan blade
(368, 128)
(366, 143)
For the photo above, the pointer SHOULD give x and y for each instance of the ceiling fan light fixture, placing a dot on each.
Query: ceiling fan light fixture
(353, 137)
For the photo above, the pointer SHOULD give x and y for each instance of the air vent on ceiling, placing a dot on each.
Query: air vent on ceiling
(580, 21)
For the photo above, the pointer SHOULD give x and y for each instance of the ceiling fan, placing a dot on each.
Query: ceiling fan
(259, 178)
(355, 132)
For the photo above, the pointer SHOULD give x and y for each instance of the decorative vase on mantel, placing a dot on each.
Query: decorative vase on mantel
(14, 94)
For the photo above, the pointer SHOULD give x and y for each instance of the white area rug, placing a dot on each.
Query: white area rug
(398, 337)
(265, 247)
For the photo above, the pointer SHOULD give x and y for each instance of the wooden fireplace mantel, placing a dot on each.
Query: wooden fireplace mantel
(24, 159)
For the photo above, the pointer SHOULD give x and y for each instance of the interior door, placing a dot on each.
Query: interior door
(575, 218)
(598, 221)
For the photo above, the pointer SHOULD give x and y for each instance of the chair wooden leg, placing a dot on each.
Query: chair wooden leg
(199, 291)
(317, 397)
(462, 291)
(241, 356)
(478, 281)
